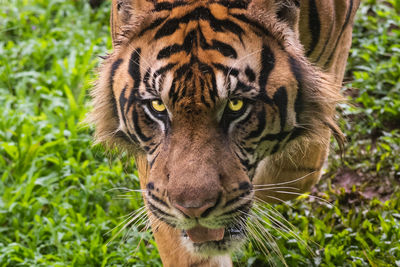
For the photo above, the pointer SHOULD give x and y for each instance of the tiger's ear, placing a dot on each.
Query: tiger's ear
(126, 16)
(289, 11)
(286, 11)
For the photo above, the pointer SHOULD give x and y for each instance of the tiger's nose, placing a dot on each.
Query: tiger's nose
(196, 212)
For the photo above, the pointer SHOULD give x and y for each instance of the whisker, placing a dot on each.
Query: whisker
(280, 216)
(277, 187)
(253, 235)
(267, 238)
(288, 182)
(126, 189)
(278, 226)
(126, 197)
(261, 240)
(305, 195)
(130, 220)
(131, 214)
(279, 222)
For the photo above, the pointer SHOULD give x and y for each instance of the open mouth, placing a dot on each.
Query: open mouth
(215, 241)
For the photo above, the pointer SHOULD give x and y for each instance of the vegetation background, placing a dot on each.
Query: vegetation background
(60, 197)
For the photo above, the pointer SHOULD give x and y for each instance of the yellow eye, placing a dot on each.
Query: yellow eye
(158, 105)
(235, 104)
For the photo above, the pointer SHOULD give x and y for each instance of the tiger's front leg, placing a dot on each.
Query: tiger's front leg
(291, 172)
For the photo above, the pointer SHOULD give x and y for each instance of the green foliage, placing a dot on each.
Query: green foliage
(373, 121)
(57, 203)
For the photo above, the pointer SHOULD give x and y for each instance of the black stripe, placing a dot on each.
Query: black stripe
(164, 69)
(297, 72)
(242, 87)
(236, 199)
(167, 29)
(250, 74)
(253, 23)
(134, 72)
(213, 90)
(224, 49)
(150, 186)
(125, 136)
(182, 70)
(327, 41)
(162, 6)
(276, 148)
(245, 186)
(114, 68)
(174, 91)
(268, 63)
(152, 150)
(146, 80)
(153, 160)
(281, 100)
(169, 50)
(314, 25)
(241, 210)
(234, 4)
(296, 133)
(152, 26)
(160, 214)
(138, 130)
(275, 137)
(209, 210)
(158, 200)
(245, 163)
(200, 13)
(189, 41)
(226, 70)
(261, 115)
(346, 22)
(247, 149)
(122, 103)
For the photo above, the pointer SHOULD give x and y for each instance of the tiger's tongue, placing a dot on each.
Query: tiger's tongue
(201, 234)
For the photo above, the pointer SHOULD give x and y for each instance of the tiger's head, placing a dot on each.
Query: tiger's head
(204, 91)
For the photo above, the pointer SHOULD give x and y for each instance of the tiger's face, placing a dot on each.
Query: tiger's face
(205, 91)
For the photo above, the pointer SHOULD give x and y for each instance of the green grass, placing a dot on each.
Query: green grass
(57, 202)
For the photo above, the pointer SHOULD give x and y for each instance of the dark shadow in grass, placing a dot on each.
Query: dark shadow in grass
(367, 187)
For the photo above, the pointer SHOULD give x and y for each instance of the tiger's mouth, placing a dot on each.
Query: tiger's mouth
(215, 241)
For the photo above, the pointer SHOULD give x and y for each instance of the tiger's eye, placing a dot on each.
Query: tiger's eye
(158, 105)
(235, 104)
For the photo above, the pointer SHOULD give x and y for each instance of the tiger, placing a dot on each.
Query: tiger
(214, 98)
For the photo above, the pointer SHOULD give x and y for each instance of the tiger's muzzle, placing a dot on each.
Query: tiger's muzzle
(203, 190)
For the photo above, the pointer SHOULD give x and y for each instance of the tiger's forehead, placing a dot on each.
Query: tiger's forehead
(199, 54)
(199, 51)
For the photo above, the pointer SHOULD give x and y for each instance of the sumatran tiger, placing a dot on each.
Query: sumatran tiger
(214, 98)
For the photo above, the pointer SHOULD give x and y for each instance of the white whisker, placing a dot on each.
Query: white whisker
(277, 187)
(130, 220)
(285, 183)
(305, 195)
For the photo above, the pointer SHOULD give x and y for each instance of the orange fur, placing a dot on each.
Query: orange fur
(187, 160)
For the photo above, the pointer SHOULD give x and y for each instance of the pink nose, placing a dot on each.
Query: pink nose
(194, 212)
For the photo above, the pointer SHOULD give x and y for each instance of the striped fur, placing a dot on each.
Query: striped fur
(284, 59)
